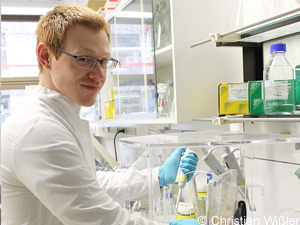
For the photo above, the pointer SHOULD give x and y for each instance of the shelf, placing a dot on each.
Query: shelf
(208, 138)
(164, 57)
(277, 29)
(283, 25)
(248, 118)
(253, 36)
(162, 120)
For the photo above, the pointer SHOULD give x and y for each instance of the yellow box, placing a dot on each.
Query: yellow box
(233, 98)
(109, 107)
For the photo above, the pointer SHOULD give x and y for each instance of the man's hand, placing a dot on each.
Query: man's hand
(168, 171)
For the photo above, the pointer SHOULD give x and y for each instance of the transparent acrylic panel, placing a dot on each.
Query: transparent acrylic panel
(208, 138)
(222, 196)
(266, 162)
(132, 44)
(18, 44)
(135, 160)
(271, 182)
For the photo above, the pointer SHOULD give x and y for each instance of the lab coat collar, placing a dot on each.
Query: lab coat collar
(69, 107)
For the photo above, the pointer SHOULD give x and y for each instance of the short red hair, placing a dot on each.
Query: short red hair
(52, 27)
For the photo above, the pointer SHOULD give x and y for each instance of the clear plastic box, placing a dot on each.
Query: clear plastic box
(267, 161)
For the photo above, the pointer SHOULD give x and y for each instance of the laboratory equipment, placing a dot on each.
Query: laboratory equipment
(192, 188)
(231, 163)
(185, 211)
(240, 214)
(222, 192)
(212, 161)
(269, 163)
(279, 91)
(181, 178)
(202, 200)
(164, 99)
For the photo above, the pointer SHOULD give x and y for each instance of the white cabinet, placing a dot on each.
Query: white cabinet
(194, 74)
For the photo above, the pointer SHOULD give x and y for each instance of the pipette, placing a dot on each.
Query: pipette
(212, 161)
(231, 163)
(192, 186)
(181, 178)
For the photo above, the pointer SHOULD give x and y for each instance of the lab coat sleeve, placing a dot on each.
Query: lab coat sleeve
(130, 184)
(48, 161)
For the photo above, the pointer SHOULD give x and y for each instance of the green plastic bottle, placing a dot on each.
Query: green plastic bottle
(297, 87)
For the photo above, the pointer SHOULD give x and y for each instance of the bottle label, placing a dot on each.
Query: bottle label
(279, 97)
(276, 90)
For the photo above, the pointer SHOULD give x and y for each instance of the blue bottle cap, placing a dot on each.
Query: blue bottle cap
(279, 47)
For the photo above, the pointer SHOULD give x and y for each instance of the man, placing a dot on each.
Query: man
(48, 172)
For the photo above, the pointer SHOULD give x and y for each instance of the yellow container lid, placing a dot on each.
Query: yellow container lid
(185, 211)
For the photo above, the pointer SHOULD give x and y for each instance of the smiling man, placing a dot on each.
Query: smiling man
(74, 71)
(48, 170)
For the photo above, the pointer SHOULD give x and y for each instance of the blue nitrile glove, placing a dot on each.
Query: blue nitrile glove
(185, 222)
(168, 171)
(188, 165)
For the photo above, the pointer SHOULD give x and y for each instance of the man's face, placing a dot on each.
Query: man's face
(80, 85)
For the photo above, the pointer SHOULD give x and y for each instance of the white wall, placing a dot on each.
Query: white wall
(257, 10)
(205, 65)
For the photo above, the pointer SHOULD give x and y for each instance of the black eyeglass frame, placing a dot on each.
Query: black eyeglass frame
(101, 61)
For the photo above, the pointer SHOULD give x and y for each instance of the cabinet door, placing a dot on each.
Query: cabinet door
(132, 44)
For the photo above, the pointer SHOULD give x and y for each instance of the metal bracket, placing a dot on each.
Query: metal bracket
(217, 37)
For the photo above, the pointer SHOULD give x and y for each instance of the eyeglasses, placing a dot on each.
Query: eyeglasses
(86, 62)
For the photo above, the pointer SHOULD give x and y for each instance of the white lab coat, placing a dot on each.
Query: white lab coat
(48, 170)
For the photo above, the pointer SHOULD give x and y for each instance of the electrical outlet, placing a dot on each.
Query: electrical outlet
(121, 128)
(128, 130)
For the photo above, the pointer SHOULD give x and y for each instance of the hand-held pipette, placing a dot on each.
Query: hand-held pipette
(181, 178)
(192, 187)
(231, 163)
(212, 161)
